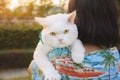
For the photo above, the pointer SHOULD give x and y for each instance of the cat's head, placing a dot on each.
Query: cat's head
(58, 30)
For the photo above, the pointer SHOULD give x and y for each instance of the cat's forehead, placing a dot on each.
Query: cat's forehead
(58, 20)
(57, 27)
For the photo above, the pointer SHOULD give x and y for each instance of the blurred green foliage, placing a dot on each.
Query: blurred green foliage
(44, 8)
(19, 35)
(35, 10)
(22, 78)
(15, 58)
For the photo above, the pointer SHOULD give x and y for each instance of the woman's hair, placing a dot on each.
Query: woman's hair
(97, 21)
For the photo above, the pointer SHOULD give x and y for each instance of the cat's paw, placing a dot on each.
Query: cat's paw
(77, 59)
(52, 76)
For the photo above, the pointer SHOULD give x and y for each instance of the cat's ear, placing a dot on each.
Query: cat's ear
(41, 21)
(71, 17)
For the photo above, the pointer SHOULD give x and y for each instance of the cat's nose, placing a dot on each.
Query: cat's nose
(60, 40)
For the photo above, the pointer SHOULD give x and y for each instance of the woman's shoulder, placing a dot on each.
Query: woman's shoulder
(113, 51)
(99, 56)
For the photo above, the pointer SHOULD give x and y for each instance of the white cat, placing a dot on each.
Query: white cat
(58, 31)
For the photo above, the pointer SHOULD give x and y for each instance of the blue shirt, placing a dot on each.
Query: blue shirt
(97, 65)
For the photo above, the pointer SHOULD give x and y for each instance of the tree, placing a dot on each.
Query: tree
(4, 11)
(63, 3)
(2, 7)
(46, 3)
(45, 8)
(109, 60)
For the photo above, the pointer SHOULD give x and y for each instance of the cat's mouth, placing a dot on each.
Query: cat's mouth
(61, 45)
(60, 42)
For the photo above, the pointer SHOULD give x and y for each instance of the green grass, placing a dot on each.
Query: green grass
(20, 78)
(20, 58)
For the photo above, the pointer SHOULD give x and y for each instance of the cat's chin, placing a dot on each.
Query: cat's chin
(57, 45)
(60, 46)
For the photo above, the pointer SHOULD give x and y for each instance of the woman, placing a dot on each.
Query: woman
(98, 30)
(97, 22)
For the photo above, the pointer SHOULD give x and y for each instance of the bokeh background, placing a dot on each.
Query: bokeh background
(19, 33)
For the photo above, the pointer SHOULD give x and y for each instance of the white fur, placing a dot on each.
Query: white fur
(57, 23)
(41, 59)
(78, 51)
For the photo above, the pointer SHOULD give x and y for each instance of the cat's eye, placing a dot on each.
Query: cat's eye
(53, 33)
(66, 31)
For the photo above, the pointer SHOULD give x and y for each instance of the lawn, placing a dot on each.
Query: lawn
(20, 78)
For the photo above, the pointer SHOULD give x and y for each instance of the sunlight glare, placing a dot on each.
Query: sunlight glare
(56, 2)
(37, 2)
(14, 4)
(17, 3)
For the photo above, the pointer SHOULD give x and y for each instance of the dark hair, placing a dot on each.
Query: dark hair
(97, 21)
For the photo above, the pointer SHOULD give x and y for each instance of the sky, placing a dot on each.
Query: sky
(14, 3)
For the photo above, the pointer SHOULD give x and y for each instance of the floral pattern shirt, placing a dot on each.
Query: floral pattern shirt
(97, 65)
